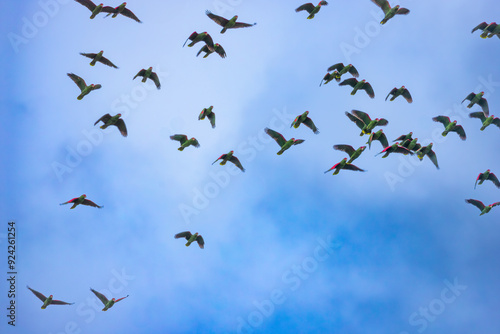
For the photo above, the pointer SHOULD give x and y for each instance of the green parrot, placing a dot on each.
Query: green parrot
(364, 122)
(107, 303)
(95, 9)
(395, 92)
(124, 11)
(404, 137)
(204, 36)
(344, 165)
(48, 300)
(227, 24)
(353, 154)
(480, 100)
(487, 120)
(145, 74)
(329, 77)
(356, 85)
(341, 70)
(388, 11)
(191, 238)
(282, 142)
(411, 144)
(380, 136)
(114, 120)
(82, 85)
(450, 126)
(303, 119)
(217, 48)
(185, 142)
(97, 57)
(208, 113)
(311, 9)
(394, 148)
(480, 205)
(230, 157)
(81, 200)
(427, 151)
(489, 30)
(487, 176)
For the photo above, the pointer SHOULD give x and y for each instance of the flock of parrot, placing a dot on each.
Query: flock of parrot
(404, 144)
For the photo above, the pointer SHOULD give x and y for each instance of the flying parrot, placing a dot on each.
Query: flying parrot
(356, 85)
(208, 113)
(185, 142)
(95, 9)
(344, 165)
(204, 36)
(480, 205)
(113, 120)
(480, 100)
(353, 154)
(81, 200)
(282, 142)
(395, 92)
(487, 176)
(107, 303)
(230, 157)
(227, 24)
(149, 74)
(311, 9)
(124, 11)
(364, 122)
(486, 120)
(388, 11)
(217, 49)
(48, 300)
(191, 238)
(450, 126)
(82, 85)
(303, 119)
(427, 151)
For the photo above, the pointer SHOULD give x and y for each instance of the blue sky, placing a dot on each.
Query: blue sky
(289, 249)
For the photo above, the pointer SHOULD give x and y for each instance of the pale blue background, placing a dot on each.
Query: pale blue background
(401, 232)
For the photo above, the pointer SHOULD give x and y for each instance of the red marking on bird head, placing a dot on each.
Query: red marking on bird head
(92, 85)
(487, 170)
(231, 152)
(362, 147)
(363, 80)
(84, 195)
(101, 50)
(124, 3)
(377, 119)
(205, 32)
(50, 296)
(119, 115)
(293, 139)
(150, 68)
(236, 16)
(403, 86)
(307, 112)
(217, 44)
(112, 299)
(397, 7)
(482, 93)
